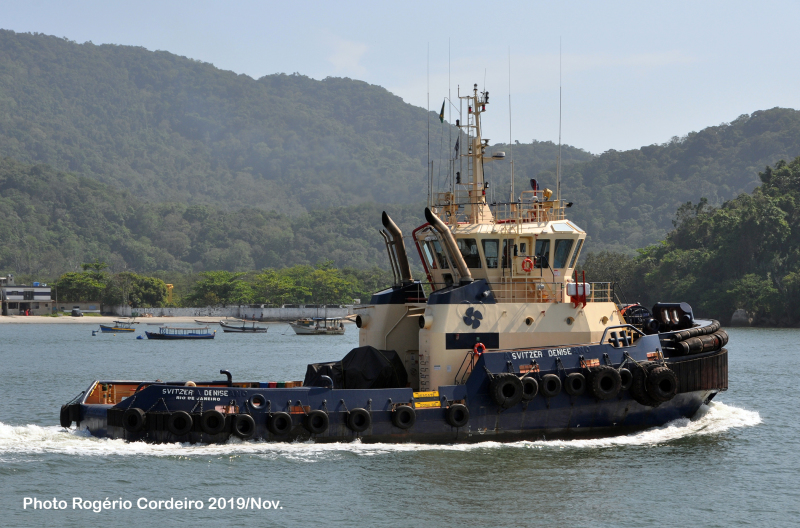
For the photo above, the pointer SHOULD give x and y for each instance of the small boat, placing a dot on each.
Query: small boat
(168, 332)
(205, 323)
(318, 326)
(119, 326)
(243, 328)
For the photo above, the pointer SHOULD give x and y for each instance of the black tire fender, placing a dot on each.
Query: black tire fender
(244, 426)
(133, 420)
(179, 423)
(505, 390)
(212, 422)
(626, 379)
(662, 384)
(605, 382)
(575, 384)
(404, 417)
(316, 422)
(457, 415)
(550, 386)
(639, 384)
(530, 388)
(359, 420)
(280, 423)
(64, 418)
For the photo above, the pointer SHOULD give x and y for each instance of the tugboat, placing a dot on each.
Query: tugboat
(503, 342)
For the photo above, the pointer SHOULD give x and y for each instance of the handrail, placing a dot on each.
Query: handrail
(603, 339)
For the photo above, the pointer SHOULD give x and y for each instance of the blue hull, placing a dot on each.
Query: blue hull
(562, 416)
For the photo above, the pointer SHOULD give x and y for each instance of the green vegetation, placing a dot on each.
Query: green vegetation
(174, 129)
(744, 254)
(53, 221)
(94, 283)
(626, 200)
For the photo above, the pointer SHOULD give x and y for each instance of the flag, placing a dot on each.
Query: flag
(457, 143)
(441, 113)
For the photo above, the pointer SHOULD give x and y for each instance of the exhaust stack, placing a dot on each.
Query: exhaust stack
(450, 245)
(401, 257)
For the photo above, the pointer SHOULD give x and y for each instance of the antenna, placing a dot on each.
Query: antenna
(428, 165)
(510, 147)
(558, 166)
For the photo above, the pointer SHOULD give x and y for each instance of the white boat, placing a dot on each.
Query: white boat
(243, 327)
(318, 326)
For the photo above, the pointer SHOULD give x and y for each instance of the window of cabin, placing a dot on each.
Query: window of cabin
(509, 251)
(523, 248)
(577, 252)
(448, 280)
(469, 250)
(441, 259)
(427, 254)
(561, 252)
(490, 251)
(543, 253)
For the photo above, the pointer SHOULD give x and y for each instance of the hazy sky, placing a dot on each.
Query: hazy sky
(633, 73)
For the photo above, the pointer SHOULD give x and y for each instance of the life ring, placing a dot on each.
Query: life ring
(527, 265)
(479, 349)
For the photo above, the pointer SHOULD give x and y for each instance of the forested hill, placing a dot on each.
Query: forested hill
(52, 222)
(627, 200)
(170, 128)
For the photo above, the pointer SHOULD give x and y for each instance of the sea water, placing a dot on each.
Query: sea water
(735, 463)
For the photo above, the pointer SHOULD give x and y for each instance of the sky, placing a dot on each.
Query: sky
(630, 73)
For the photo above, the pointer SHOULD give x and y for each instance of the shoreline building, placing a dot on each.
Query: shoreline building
(21, 299)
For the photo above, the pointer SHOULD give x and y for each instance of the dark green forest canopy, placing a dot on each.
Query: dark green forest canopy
(52, 222)
(744, 254)
(627, 200)
(206, 169)
(173, 129)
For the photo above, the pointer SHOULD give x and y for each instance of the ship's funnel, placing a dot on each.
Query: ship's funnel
(450, 245)
(399, 248)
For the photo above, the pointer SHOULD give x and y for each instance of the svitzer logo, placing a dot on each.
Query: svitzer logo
(473, 317)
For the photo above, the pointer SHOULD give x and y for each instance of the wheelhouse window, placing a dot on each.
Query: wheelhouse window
(469, 250)
(441, 259)
(509, 251)
(490, 251)
(543, 253)
(577, 252)
(427, 254)
(561, 252)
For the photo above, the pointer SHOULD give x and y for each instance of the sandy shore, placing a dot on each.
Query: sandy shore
(96, 320)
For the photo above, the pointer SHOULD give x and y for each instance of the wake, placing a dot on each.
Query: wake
(712, 419)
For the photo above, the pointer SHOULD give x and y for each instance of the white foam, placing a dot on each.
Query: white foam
(33, 440)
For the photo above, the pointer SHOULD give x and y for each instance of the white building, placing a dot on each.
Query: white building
(22, 299)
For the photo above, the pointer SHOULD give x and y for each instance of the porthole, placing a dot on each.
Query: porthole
(570, 320)
(529, 321)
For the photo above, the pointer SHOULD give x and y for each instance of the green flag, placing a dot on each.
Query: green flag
(441, 113)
